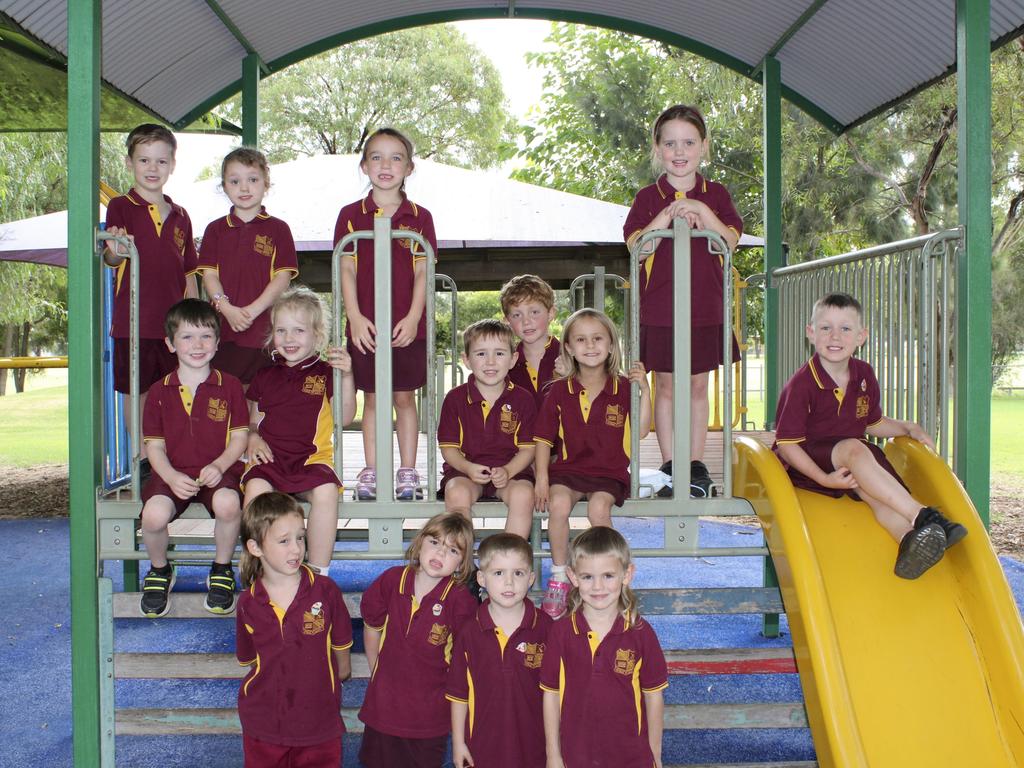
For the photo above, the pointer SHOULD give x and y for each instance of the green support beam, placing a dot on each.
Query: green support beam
(84, 37)
(974, 271)
(771, 78)
(251, 73)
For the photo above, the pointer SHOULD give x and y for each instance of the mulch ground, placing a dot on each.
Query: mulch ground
(43, 492)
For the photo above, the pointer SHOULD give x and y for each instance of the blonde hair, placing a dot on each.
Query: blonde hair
(488, 329)
(442, 526)
(595, 542)
(613, 365)
(257, 518)
(504, 543)
(299, 298)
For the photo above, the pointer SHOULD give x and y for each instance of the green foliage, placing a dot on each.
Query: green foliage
(429, 82)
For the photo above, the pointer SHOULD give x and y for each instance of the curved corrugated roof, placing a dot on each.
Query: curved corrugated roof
(841, 60)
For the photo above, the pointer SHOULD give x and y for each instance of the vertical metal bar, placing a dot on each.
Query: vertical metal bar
(135, 267)
(681, 356)
(106, 668)
(432, 388)
(771, 131)
(633, 353)
(769, 578)
(337, 316)
(945, 371)
(599, 288)
(250, 99)
(382, 360)
(727, 299)
(84, 44)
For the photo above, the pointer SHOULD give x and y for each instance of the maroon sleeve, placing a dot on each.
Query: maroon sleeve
(874, 397)
(793, 411)
(527, 421)
(245, 647)
(726, 211)
(285, 258)
(464, 609)
(341, 225)
(545, 427)
(551, 666)
(456, 683)
(238, 409)
(374, 605)
(654, 672)
(427, 230)
(448, 422)
(117, 214)
(341, 622)
(639, 216)
(256, 387)
(191, 262)
(209, 256)
(152, 415)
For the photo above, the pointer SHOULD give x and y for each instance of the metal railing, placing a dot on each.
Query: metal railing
(908, 291)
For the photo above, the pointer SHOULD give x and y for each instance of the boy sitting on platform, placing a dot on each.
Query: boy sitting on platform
(824, 411)
(485, 430)
(196, 425)
(529, 306)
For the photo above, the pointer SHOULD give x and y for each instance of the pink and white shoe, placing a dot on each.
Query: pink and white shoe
(407, 484)
(366, 484)
(556, 598)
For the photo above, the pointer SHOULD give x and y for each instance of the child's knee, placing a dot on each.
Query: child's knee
(404, 400)
(324, 498)
(157, 514)
(226, 506)
(698, 385)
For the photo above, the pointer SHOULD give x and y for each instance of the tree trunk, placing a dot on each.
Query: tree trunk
(5, 351)
(22, 346)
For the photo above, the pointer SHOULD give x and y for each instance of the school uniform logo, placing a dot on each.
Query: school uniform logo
(625, 661)
(263, 245)
(217, 409)
(533, 654)
(313, 622)
(179, 239)
(408, 242)
(438, 634)
(509, 420)
(615, 416)
(862, 407)
(314, 385)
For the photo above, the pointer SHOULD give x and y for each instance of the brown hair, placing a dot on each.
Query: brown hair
(250, 157)
(443, 526)
(488, 328)
(261, 513)
(685, 112)
(194, 312)
(395, 134)
(504, 543)
(597, 541)
(613, 365)
(147, 133)
(526, 288)
(837, 300)
(299, 298)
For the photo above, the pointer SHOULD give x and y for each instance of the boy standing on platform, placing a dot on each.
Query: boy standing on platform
(485, 430)
(196, 425)
(825, 410)
(494, 679)
(529, 306)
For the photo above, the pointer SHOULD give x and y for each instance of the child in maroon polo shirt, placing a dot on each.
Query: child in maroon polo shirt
(485, 430)
(529, 306)
(585, 415)
(291, 424)
(195, 425)
(162, 233)
(493, 683)
(387, 161)
(680, 142)
(604, 671)
(410, 614)
(247, 260)
(294, 632)
(824, 411)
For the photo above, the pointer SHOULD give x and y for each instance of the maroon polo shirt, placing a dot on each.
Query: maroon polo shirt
(705, 269)
(359, 216)
(297, 421)
(536, 381)
(498, 677)
(594, 436)
(167, 255)
(491, 436)
(405, 696)
(195, 426)
(600, 688)
(247, 255)
(813, 408)
(292, 694)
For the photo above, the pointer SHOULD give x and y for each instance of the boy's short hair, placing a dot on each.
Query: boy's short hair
(194, 312)
(483, 329)
(837, 300)
(504, 543)
(523, 288)
(147, 133)
(250, 157)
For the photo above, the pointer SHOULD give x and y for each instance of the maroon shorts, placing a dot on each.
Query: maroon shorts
(586, 484)
(408, 367)
(241, 362)
(489, 491)
(155, 486)
(155, 362)
(705, 348)
(382, 750)
(263, 754)
(820, 452)
(292, 479)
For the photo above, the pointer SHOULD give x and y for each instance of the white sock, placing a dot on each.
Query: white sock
(558, 573)
(323, 570)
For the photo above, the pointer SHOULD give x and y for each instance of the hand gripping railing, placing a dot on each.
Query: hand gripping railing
(681, 353)
(382, 235)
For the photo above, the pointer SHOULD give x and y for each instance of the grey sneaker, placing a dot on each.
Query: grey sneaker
(407, 484)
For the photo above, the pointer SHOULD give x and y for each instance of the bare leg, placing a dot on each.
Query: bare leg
(408, 427)
(253, 488)
(874, 481)
(369, 429)
(460, 493)
(699, 412)
(599, 508)
(322, 525)
(561, 499)
(127, 402)
(156, 516)
(228, 519)
(887, 517)
(663, 413)
(518, 497)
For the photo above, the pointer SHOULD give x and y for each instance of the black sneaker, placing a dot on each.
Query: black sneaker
(700, 480)
(156, 589)
(955, 532)
(220, 597)
(665, 492)
(920, 549)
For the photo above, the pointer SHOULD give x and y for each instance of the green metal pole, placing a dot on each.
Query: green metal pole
(84, 37)
(250, 100)
(773, 256)
(974, 270)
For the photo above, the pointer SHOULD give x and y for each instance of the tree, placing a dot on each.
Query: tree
(430, 82)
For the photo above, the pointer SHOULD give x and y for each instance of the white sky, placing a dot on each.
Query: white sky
(503, 41)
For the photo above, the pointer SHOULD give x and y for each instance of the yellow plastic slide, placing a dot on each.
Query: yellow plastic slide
(900, 673)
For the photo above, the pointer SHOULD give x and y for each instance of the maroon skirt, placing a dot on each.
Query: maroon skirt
(705, 348)
(489, 491)
(382, 750)
(408, 367)
(820, 452)
(292, 481)
(241, 362)
(587, 484)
